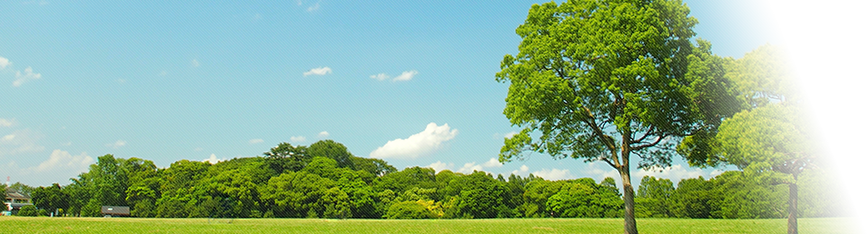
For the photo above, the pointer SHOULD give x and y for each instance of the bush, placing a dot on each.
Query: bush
(409, 210)
(43, 212)
(28, 210)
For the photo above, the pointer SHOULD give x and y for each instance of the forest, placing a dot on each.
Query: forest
(324, 180)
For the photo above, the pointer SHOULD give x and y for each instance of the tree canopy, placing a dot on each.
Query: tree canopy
(603, 80)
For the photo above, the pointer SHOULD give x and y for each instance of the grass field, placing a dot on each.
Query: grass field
(141, 225)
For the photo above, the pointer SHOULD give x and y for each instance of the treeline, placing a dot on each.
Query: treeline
(733, 195)
(324, 180)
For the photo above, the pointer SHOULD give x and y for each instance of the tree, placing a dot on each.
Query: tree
(582, 198)
(653, 198)
(287, 157)
(334, 150)
(51, 198)
(375, 166)
(808, 96)
(690, 199)
(602, 81)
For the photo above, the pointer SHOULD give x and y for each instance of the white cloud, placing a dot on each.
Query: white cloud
(380, 77)
(521, 171)
(27, 76)
(405, 76)
(299, 2)
(20, 141)
(675, 173)
(213, 159)
(510, 134)
(256, 141)
(68, 143)
(63, 161)
(163, 73)
(4, 62)
(198, 149)
(116, 144)
(493, 162)
(418, 144)
(439, 166)
(318, 71)
(554, 174)
(313, 8)
(298, 139)
(195, 63)
(323, 134)
(470, 167)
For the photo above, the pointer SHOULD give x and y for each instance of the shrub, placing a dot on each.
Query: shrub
(28, 210)
(409, 210)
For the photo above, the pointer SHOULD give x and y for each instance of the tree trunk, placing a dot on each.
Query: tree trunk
(629, 226)
(793, 207)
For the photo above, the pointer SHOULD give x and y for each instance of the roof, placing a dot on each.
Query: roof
(116, 210)
(14, 194)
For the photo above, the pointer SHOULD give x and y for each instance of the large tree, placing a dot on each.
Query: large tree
(808, 98)
(606, 80)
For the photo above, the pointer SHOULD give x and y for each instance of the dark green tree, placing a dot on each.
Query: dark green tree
(333, 150)
(690, 199)
(51, 198)
(653, 198)
(286, 157)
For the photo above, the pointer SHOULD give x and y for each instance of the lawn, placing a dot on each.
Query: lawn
(142, 225)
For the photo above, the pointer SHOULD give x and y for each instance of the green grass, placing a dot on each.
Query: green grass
(141, 225)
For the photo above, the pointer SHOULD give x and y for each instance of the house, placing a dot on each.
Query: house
(15, 200)
(115, 211)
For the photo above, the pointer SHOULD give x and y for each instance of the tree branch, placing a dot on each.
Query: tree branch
(640, 147)
(647, 133)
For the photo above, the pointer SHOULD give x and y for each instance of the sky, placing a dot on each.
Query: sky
(411, 82)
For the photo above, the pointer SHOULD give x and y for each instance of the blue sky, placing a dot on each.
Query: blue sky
(408, 81)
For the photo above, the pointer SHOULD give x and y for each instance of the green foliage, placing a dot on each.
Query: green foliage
(28, 210)
(286, 157)
(374, 166)
(333, 150)
(91, 209)
(582, 198)
(406, 179)
(50, 198)
(409, 210)
(247, 188)
(691, 199)
(652, 199)
(585, 65)
(603, 80)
